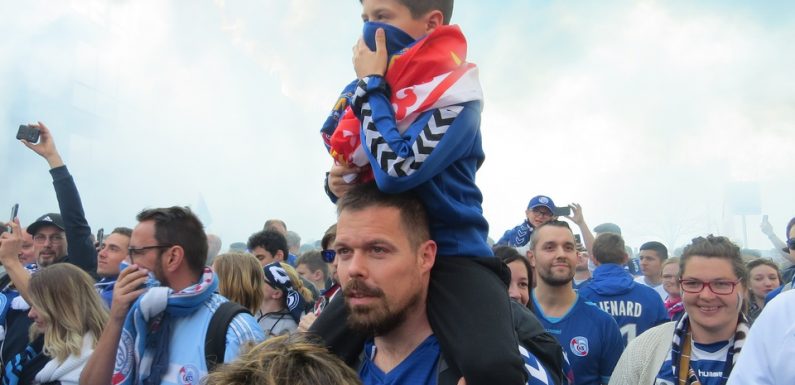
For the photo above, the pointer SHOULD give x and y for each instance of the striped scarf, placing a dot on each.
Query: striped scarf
(681, 331)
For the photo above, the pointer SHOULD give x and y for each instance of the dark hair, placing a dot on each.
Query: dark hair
(609, 248)
(553, 223)
(270, 240)
(314, 261)
(180, 227)
(509, 254)
(789, 226)
(715, 247)
(657, 247)
(126, 231)
(421, 7)
(413, 218)
(764, 262)
(328, 237)
(607, 228)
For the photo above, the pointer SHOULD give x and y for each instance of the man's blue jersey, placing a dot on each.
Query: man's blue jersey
(635, 307)
(707, 360)
(590, 339)
(418, 368)
(421, 367)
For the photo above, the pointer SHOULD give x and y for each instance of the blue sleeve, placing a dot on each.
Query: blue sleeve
(434, 141)
(611, 351)
(242, 329)
(80, 248)
(517, 236)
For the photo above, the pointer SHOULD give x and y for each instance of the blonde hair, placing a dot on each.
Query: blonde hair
(285, 360)
(298, 284)
(64, 297)
(240, 279)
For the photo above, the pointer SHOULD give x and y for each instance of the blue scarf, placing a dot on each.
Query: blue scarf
(105, 289)
(147, 327)
(396, 41)
(277, 277)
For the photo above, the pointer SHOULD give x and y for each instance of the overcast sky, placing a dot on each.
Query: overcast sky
(648, 113)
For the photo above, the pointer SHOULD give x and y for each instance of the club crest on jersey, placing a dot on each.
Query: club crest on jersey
(124, 359)
(579, 346)
(188, 375)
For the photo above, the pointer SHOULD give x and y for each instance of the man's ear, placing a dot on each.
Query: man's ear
(427, 255)
(279, 257)
(531, 258)
(174, 258)
(316, 275)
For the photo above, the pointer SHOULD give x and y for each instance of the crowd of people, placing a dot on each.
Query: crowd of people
(405, 287)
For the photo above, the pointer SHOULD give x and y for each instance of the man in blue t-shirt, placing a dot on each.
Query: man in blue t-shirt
(384, 258)
(635, 307)
(590, 337)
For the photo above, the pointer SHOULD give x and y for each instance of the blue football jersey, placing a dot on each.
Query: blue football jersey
(590, 338)
(707, 360)
(418, 368)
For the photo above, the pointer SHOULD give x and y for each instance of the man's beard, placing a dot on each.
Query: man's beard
(52, 257)
(375, 319)
(552, 280)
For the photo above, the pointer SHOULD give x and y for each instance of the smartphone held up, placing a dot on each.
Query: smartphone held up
(28, 133)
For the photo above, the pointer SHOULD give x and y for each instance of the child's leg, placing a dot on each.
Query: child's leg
(332, 327)
(470, 314)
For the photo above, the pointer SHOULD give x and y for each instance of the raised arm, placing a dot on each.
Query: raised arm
(10, 246)
(81, 251)
(579, 219)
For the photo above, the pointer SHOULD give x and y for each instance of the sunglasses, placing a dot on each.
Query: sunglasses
(328, 255)
(791, 243)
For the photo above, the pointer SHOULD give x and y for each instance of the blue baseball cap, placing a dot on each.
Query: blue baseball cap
(541, 201)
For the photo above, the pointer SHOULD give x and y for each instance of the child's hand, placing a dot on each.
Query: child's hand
(336, 182)
(366, 62)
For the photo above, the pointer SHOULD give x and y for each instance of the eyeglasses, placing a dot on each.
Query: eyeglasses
(717, 287)
(791, 243)
(133, 252)
(328, 255)
(41, 239)
(542, 213)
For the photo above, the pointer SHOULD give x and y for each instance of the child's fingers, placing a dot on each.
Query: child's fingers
(380, 40)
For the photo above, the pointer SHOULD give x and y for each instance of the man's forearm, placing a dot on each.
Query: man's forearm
(99, 368)
(20, 277)
(587, 236)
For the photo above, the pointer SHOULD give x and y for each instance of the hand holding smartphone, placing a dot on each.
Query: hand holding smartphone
(14, 211)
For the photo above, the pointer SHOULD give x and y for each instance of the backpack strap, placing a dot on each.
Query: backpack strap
(215, 339)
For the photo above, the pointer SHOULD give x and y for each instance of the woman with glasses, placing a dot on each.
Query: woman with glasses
(670, 280)
(703, 346)
(68, 317)
(285, 300)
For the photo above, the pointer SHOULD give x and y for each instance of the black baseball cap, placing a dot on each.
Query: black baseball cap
(51, 219)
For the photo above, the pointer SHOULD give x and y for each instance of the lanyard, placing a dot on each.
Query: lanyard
(684, 360)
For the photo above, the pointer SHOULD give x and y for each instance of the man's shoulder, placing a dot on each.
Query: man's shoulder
(585, 309)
